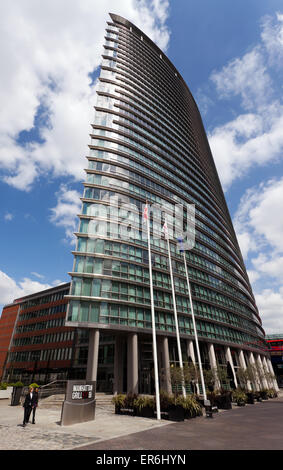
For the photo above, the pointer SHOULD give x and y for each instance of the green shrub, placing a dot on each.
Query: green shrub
(271, 393)
(190, 404)
(34, 385)
(119, 400)
(239, 396)
(165, 400)
(129, 400)
(17, 384)
(142, 402)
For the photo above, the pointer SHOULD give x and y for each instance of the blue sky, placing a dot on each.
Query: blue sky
(231, 56)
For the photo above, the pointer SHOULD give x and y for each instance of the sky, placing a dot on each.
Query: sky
(231, 56)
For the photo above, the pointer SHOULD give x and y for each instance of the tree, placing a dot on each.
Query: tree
(191, 375)
(222, 375)
(253, 376)
(176, 378)
(210, 378)
(242, 377)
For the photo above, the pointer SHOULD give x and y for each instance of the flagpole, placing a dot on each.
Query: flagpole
(155, 361)
(175, 311)
(195, 329)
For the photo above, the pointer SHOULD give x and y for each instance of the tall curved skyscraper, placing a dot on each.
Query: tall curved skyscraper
(148, 144)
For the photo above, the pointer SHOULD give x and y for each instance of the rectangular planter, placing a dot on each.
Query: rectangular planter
(176, 413)
(16, 395)
(4, 394)
(147, 412)
(251, 399)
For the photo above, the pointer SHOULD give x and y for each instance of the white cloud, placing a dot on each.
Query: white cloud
(253, 275)
(49, 50)
(272, 38)
(260, 214)
(247, 77)
(39, 276)
(64, 214)
(57, 282)
(8, 217)
(254, 137)
(270, 304)
(259, 226)
(247, 141)
(10, 289)
(271, 265)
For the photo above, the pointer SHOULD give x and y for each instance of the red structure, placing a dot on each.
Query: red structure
(7, 323)
(34, 342)
(275, 343)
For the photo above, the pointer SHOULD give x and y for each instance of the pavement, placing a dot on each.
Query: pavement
(48, 434)
(253, 427)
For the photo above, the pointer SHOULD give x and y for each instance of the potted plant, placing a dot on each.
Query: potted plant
(16, 393)
(239, 397)
(176, 409)
(250, 397)
(191, 407)
(264, 394)
(257, 396)
(223, 400)
(165, 401)
(119, 402)
(271, 393)
(144, 406)
(129, 403)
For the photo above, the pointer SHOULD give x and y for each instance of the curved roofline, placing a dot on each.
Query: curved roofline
(125, 22)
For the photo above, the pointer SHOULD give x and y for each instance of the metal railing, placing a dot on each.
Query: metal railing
(57, 387)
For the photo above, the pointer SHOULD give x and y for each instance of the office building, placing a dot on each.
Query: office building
(148, 144)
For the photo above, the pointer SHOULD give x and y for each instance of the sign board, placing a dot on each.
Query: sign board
(82, 392)
(79, 403)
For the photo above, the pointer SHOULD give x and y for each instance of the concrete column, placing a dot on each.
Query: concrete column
(269, 363)
(253, 363)
(244, 366)
(261, 370)
(213, 364)
(92, 360)
(191, 354)
(165, 364)
(132, 364)
(229, 359)
(191, 351)
(265, 368)
(118, 365)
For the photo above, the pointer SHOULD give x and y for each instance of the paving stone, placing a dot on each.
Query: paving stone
(48, 434)
(258, 426)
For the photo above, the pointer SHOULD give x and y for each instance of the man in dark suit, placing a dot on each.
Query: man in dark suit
(35, 404)
(28, 405)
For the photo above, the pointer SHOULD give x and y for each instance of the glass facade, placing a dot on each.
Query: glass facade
(148, 144)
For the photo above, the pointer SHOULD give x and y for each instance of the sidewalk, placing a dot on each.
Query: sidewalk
(48, 434)
(258, 426)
